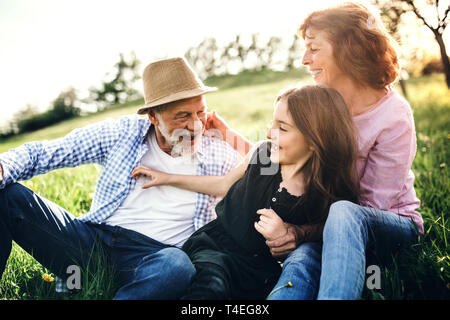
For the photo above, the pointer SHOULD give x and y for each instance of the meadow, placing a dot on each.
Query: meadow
(245, 101)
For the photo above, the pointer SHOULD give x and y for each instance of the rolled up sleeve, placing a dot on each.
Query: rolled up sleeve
(81, 146)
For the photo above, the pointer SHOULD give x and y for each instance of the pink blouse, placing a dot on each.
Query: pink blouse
(387, 146)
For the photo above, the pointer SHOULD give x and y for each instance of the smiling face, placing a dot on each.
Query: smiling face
(319, 60)
(181, 124)
(288, 144)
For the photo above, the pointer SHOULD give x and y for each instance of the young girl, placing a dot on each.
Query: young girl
(308, 164)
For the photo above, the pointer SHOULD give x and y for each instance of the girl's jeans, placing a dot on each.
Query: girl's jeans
(336, 269)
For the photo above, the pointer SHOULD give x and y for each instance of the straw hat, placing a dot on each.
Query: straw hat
(170, 80)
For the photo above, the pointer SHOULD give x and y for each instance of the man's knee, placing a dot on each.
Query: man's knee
(13, 192)
(179, 265)
(12, 196)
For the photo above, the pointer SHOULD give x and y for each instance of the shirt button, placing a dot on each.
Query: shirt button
(274, 199)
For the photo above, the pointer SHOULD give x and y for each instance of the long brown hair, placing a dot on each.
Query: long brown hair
(322, 116)
(362, 47)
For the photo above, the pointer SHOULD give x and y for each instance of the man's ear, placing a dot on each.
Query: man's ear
(152, 117)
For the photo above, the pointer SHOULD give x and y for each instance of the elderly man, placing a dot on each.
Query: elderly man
(140, 230)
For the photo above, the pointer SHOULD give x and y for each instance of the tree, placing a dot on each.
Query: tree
(65, 106)
(293, 53)
(394, 9)
(391, 15)
(121, 87)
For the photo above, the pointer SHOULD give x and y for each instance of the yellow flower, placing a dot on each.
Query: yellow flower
(289, 284)
(47, 278)
(442, 165)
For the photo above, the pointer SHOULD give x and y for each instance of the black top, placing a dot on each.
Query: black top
(259, 188)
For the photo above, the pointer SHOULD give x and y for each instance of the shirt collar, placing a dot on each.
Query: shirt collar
(146, 130)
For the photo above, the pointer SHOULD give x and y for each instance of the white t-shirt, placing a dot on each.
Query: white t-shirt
(163, 213)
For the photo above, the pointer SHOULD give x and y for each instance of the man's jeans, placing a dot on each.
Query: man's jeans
(337, 269)
(145, 268)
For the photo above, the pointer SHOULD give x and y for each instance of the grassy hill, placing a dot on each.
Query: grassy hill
(252, 93)
(246, 101)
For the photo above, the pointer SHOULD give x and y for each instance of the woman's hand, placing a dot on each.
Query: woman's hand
(270, 225)
(281, 247)
(295, 235)
(216, 124)
(157, 177)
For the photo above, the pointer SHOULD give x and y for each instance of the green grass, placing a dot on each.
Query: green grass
(245, 101)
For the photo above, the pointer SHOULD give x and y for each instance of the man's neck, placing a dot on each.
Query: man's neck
(162, 142)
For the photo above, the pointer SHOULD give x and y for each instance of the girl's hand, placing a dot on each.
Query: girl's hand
(157, 177)
(270, 225)
(215, 124)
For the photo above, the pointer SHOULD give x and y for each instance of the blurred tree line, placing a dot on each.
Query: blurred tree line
(244, 53)
(254, 53)
(119, 86)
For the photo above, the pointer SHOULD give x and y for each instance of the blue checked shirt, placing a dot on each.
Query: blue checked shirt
(117, 145)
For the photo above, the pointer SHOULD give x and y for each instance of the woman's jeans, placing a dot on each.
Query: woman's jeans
(336, 269)
(144, 268)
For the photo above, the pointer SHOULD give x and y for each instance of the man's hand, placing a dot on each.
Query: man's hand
(270, 225)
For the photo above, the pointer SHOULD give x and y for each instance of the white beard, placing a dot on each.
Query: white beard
(181, 148)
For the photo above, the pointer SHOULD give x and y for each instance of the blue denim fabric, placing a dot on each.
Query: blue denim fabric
(351, 232)
(302, 269)
(146, 268)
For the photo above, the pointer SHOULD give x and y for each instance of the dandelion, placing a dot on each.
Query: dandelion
(442, 165)
(424, 149)
(289, 284)
(47, 278)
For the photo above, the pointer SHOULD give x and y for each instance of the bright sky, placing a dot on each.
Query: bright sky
(49, 45)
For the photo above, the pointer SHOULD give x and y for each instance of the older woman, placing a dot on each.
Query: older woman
(348, 49)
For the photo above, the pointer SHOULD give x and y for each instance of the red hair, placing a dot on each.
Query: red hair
(362, 47)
